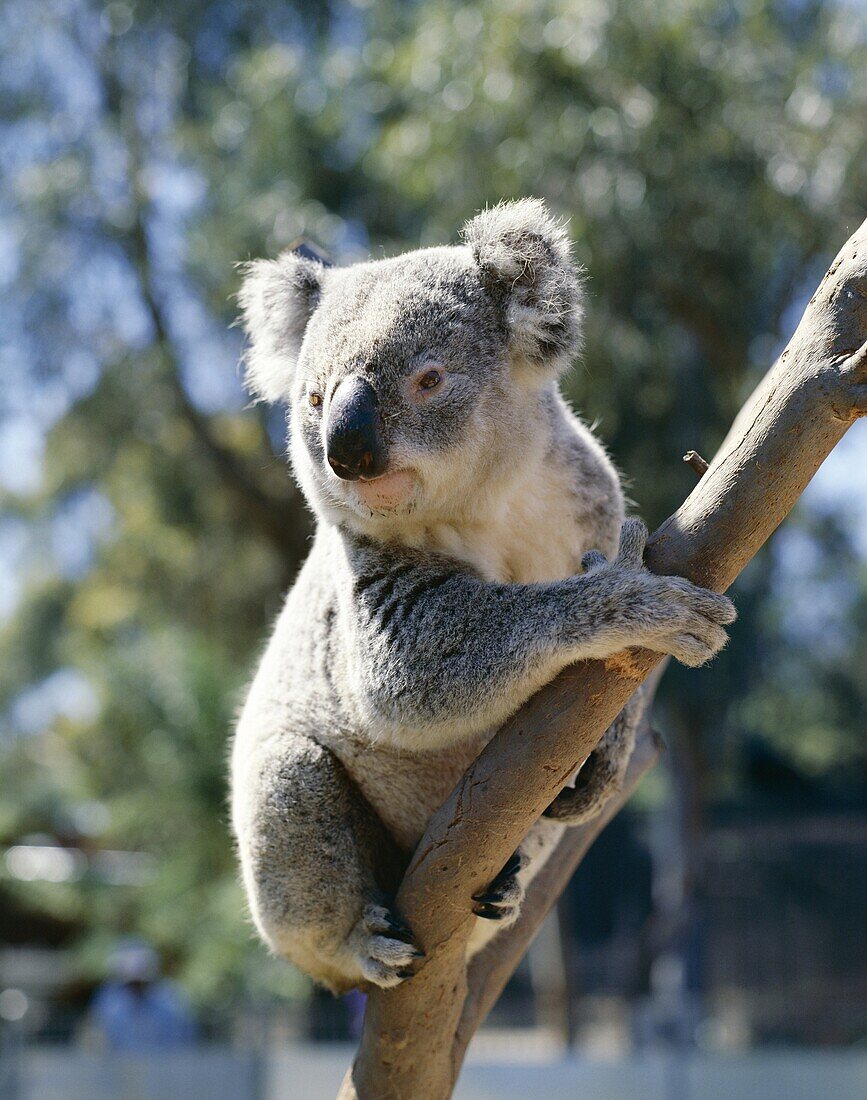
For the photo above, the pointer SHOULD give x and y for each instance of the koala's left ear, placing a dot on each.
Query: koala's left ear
(278, 298)
(525, 260)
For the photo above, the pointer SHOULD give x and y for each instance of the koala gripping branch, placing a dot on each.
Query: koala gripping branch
(415, 1035)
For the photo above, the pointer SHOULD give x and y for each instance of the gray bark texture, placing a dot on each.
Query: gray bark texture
(416, 1035)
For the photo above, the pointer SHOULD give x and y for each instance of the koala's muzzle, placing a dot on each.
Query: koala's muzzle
(354, 445)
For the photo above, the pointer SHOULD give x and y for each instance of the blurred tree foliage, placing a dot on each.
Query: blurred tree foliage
(710, 155)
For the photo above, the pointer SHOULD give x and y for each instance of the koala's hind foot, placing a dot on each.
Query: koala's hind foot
(502, 900)
(384, 947)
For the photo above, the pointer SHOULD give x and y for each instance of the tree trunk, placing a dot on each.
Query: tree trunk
(415, 1036)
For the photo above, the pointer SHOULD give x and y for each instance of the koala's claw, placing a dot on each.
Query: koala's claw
(396, 926)
(386, 948)
(502, 899)
(513, 865)
(489, 912)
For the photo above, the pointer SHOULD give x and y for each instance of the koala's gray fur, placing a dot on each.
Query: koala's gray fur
(440, 593)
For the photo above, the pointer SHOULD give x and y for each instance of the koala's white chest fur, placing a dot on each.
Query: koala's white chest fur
(527, 532)
(525, 538)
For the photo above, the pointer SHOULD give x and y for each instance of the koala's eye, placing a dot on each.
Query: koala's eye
(430, 380)
(315, 399)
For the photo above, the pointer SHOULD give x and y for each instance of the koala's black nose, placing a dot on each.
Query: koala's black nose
(354, 445)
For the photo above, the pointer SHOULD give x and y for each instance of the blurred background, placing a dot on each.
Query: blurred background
(712, 158)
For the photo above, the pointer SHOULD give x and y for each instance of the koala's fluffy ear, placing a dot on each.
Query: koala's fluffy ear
(525, 261)
(277, 299)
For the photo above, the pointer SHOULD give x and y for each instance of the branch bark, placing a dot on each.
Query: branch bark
(415, 1035)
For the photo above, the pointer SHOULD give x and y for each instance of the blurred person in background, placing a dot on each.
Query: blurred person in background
(137, 1010)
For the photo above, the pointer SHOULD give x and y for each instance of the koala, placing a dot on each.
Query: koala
(470, 543)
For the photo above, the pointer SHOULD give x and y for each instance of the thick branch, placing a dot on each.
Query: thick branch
(795, 418)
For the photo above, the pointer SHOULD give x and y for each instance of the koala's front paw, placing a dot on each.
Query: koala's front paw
(502, 899)
(665, 614)
(385, 947)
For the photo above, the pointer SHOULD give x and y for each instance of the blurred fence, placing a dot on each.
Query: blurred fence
(57, 1073)
(314, 1073)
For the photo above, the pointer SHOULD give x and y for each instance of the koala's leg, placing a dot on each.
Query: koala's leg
(319, 866)
(602, 773)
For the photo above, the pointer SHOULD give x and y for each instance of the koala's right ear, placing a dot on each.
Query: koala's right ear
(277, 299)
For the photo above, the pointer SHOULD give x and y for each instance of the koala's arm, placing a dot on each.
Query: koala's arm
(446, 652)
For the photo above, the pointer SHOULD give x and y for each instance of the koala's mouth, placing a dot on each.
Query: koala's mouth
(387, 492)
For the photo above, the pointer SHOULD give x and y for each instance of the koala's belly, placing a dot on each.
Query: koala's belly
(405, 788)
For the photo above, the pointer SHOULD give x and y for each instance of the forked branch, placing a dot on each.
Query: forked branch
(415, 1035)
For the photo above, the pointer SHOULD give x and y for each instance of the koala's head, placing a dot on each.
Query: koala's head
(411, 382)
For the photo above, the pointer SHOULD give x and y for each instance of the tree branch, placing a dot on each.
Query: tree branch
(696, 463)
(413, 1038)
(281, 521)
(491, 969)
(278, 517)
